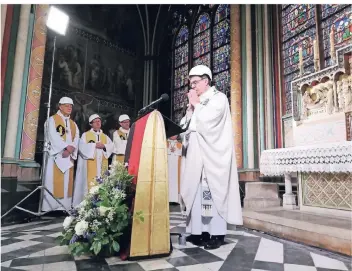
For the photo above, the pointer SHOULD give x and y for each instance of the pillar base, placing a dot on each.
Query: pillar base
(289, 201)
(261, 195)
(19, 178)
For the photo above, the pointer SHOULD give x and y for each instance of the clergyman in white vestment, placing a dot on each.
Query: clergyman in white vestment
(174, 151)
(61, 138)
(95, 148)
(209, 181)
(120, 138)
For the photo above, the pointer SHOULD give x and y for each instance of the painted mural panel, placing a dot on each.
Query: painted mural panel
(101, 75)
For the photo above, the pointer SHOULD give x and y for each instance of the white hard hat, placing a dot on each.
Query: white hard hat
(93, 117)
(123, 117)
(200, 70)
(66, 100)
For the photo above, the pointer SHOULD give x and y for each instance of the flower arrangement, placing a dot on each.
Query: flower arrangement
(99, 222)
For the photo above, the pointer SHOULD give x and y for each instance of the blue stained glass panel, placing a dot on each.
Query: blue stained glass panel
(180, 98)
(341, 22)
(287, 90)
(222, 81)
(297, 18)
(181, 55)
(181, 76)
(203, 23)
(328, 10)
(291, 51)
(182, 35)
(201, 44)
(203, 60)
(221, 33)
(222, 12)
(221, 59)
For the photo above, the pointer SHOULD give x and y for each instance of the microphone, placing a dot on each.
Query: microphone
(163, 98)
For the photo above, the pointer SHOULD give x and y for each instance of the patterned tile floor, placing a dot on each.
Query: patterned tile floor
(32, 246)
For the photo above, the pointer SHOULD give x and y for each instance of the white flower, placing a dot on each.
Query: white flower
(111, 215)
(82, 204)
(94, 190)
(103, 210)
(96, 225)
(67, 222)
(81, 227)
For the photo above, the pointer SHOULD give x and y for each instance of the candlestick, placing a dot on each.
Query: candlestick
(316, 49)
(332, 42)
(300, 55)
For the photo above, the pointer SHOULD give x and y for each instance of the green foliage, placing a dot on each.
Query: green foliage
(98, 223)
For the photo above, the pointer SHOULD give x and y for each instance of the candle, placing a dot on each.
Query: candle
(332, 41)
(300, 55)
(316, 49)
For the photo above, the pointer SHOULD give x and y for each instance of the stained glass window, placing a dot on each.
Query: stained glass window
(201, 44)
(182, 35)
(222, 80)
(202, 24)
(203, 60)
(222, 12)
(298, 30)
(201, 41)
(210, 46)
(180, 99)
(181, 55)
(296, 18)
(221, 45)
(336, 28)
(181, 70)
(221, 33)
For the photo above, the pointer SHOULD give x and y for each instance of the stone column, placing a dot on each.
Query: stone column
(30, 123)
(3, 19)
(269, 118)
(16, 87)
(236, 81)
(289, 199)
(249, 83)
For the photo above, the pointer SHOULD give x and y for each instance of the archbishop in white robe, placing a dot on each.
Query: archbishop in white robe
(92, 162)
(60, 132)
(209, 180)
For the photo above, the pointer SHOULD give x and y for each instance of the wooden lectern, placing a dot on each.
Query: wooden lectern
(146, 155)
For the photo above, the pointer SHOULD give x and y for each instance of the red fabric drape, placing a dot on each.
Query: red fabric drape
(137, 140)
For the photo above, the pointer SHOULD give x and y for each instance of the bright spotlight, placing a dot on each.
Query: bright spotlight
(57, 20)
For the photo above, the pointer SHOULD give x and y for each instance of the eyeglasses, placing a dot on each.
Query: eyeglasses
(194, 83)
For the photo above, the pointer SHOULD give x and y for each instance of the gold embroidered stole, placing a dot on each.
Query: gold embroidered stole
(59, 177)
(92, 163)
(122, 135)
(119, 157)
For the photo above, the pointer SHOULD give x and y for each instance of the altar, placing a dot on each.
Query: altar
(318, 146)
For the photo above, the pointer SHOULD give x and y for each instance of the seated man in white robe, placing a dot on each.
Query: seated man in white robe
(209, 181)
(61, 145)
(95, 148)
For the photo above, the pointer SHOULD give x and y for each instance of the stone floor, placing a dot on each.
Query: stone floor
(32, 246)
(325, 231)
